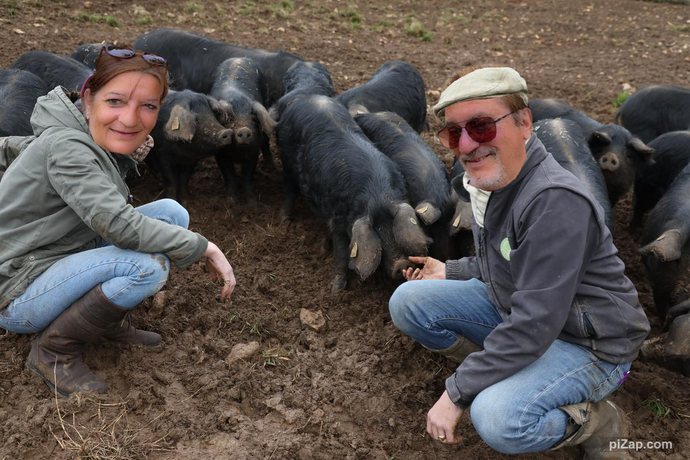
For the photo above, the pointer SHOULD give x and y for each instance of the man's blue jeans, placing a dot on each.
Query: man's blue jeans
(127, 277)
(519, 414)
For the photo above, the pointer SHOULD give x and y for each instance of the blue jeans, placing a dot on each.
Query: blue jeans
(127, 277)
(519, 414)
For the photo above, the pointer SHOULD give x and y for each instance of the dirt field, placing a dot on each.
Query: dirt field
(358, 389)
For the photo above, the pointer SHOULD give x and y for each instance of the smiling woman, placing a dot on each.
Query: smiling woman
(76, 256)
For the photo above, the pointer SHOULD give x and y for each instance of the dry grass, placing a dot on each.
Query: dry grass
(109, 435)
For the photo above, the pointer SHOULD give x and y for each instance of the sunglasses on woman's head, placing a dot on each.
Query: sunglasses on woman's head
(126, 53)
(479, 129)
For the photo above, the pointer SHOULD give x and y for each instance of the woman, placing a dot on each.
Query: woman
(75, 257)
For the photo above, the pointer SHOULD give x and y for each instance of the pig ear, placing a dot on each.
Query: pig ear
(181, 125)
(667, 247)
(427, 212)
(598, 137)
(356, 109)
(267, 123)
(462, 217)
(223, 110)
(365, 248)
(646, 153)
(407, 231)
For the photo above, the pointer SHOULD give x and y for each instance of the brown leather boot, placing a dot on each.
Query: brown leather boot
(460, 350)
(599, 424)
(115, 320)
(56, 354)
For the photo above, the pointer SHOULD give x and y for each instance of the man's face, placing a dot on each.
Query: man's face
(494, 164)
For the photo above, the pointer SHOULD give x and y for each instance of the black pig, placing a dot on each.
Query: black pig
(87, 54)
(240, 84)
(189, 128)
(18, 93)
(655, 110)
(350, 184)
(303, 78)
(671, 154)
(192, 59)
(665, 248)
(398, 87)
(567, 143)
(617, 152)
(53, 69)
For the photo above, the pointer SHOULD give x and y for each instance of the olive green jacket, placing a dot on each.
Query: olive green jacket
(62, 192)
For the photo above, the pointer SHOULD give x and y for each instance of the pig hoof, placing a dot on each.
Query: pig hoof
(339, 284)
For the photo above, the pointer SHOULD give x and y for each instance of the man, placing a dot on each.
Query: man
(543, 320)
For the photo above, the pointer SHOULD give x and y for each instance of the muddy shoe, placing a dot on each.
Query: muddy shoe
(678, 340)
(115, 321)
(63, 371)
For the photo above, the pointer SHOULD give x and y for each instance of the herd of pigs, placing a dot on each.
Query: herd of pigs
(357, 158)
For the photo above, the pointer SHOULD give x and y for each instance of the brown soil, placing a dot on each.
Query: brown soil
(358, 389)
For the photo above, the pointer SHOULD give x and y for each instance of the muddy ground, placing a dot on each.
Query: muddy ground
(358, 389)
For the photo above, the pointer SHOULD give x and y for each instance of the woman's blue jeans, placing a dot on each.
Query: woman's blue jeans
(519, 414)
(127, 277)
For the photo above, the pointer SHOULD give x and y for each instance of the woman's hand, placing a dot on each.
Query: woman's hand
(432, 270)
(218, 266)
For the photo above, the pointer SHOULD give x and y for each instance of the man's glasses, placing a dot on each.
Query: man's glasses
(479, 129)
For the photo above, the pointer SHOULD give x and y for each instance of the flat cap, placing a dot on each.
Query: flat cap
(483, 83)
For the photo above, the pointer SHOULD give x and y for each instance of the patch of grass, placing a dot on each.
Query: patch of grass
(352, 15)
(618, 100)
(275, 356)
(675, 2)
(11, 5)
(283, 9)
(658, 408)
(255, 327)
(144, 21)
(99, 18)
(193, 7)
(355, 26)
(248, 9)
(415, 28)
(680, 28)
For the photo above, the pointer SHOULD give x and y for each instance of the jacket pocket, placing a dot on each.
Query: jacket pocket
(590, 330)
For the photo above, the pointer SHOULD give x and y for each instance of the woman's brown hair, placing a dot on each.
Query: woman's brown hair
(109, 67)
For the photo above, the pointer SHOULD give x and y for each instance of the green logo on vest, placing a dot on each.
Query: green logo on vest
(505, 249)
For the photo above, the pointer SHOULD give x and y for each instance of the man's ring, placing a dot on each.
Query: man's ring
(227, 282)
(441, 437)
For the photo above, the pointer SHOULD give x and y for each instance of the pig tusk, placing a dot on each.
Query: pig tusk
(457, 220)
(353, 253)
(176, 124)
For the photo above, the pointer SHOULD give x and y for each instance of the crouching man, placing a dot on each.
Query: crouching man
(543, 320)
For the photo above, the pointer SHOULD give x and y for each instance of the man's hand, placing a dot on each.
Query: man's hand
(433, 269)
(442, 420)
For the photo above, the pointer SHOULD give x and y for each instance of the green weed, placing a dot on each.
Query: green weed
(248, 9)
(193, 7)
(618, 100)
(352, 15)
(144, 21)
(658, 408)
(283, 9)
(680, 28)
(275, 356)
(99, 18)
(415, 28)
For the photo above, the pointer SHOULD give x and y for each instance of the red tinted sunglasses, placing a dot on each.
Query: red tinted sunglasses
(126, 53)
(479, 129)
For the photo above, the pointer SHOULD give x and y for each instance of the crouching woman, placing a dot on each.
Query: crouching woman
(75, 256)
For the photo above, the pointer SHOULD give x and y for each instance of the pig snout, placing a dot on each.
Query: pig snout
(398, 266)
(609, 162)
(244, 136)
(225, 137)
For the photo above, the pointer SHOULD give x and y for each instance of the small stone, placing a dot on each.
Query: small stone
(313, 320)
(243, 351)
(87, 5)
(157, 304)
(18, 31)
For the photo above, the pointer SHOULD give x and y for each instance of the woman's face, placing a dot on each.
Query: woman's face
(123, 112)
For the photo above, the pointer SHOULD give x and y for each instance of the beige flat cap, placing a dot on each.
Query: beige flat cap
(484, 83)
